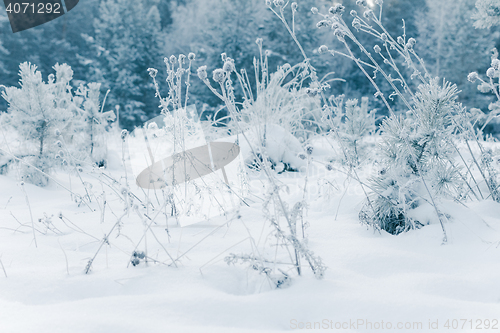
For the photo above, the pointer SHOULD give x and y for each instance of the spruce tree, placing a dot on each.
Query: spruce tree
(128, 40)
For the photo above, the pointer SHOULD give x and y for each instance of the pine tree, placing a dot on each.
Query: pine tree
(40, 113)
(451, 47)
(414, 149)
(128, 41)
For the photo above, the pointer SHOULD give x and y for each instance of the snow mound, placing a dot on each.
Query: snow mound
(273, 141)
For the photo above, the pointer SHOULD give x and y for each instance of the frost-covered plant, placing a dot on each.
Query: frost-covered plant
(353, 124)
(38, 112)
(55, 127)
(399, 186)
(487, 14)
(389, 52)
(276, 210)
(484, 162)
(282, 98)
(279, 107)
(93, 122)
(491, 84)
(280, 280)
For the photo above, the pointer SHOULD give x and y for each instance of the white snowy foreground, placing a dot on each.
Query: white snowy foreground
(373, 278)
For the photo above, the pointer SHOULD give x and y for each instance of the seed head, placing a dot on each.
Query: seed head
(229, 66)
(377, 49)
(337, 9)
(202, 73)
(323, 23)
(491, 72)
(411, 43)
(218, 75)
(173, 59)
(124, 134)
(152, 72)
(356, 23)
(472, 77)
(495, 63)
(294, 6)
(191, 56)
(323, 49)
(340, 34)
(314, 10)
(354, 13)
(362, 3)
(368, 13)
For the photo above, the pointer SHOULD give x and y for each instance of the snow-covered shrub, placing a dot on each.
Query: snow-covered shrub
(353, 123)
(417, 165)
(282, 107)
(93, 123)
(38, 112)
(398, 187)
(52, 128)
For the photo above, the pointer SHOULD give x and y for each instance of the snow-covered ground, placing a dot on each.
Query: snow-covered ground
(373, 279)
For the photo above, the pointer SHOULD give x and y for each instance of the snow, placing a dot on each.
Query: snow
(280, 145)
(371, 276)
